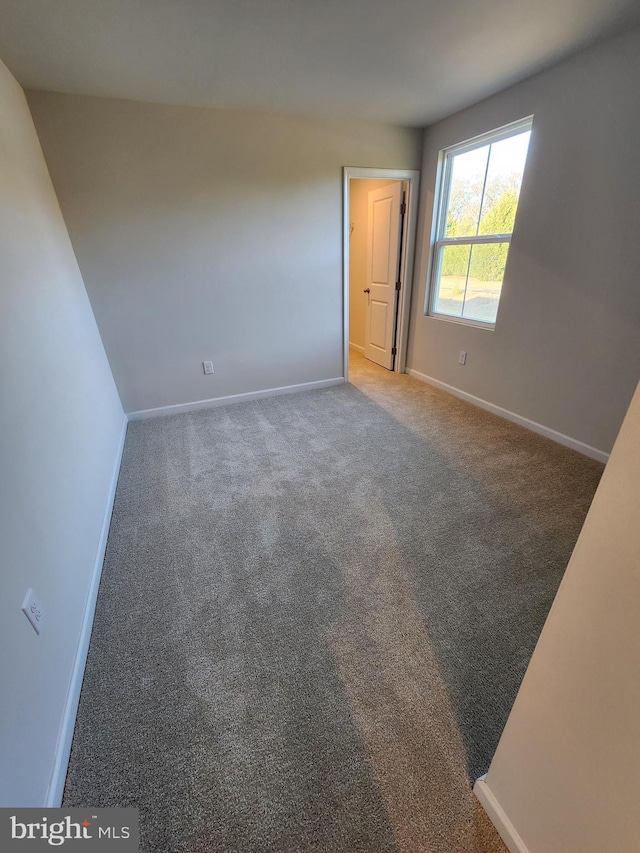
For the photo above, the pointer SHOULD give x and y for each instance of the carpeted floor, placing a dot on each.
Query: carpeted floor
(314, 616)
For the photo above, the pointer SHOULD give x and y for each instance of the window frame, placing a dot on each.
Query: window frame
(441, 202)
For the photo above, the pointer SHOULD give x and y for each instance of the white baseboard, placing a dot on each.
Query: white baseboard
(498, 817)
(356, 347)
(553, 434)
(179, 408)
(65, 736)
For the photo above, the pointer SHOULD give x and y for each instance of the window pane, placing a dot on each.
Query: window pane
(504, 179)
(465, 192)
(478, 197)
(484, 284)
(452, 278)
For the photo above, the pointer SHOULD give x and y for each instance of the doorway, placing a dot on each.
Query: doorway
(380, 212)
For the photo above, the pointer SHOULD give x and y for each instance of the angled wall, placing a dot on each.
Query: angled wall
(565, 773)
(60, 433)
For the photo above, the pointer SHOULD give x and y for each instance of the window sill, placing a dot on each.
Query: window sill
(462, 321)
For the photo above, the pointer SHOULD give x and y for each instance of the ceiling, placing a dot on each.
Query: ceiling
(400, 61)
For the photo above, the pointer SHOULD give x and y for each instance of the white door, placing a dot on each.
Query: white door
(383, 255)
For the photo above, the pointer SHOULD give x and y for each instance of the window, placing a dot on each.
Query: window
(478, 188)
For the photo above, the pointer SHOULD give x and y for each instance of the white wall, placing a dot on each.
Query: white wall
(358, 216)
(566, 769)
(209, 234)
(566, 349)
(59, 440)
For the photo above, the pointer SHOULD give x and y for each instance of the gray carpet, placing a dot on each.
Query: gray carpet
(314, 616)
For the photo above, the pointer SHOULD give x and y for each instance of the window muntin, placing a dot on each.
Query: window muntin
(478, 190)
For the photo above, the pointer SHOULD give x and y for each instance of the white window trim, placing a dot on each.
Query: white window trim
(441, 202)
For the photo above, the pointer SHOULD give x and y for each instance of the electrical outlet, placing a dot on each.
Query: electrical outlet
(462, 357)
(207, 366)
(33, 610)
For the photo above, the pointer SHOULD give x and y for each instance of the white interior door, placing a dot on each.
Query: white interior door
(383, 250)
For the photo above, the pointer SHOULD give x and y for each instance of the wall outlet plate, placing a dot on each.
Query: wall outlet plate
(33, 610)
(207, 366)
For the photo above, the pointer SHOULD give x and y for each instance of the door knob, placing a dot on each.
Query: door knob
(367, 290)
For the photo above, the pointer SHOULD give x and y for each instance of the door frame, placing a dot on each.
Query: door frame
(412, 178)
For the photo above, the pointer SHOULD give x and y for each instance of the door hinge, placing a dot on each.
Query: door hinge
(393, 350)
(403, 208)
(398, 285)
